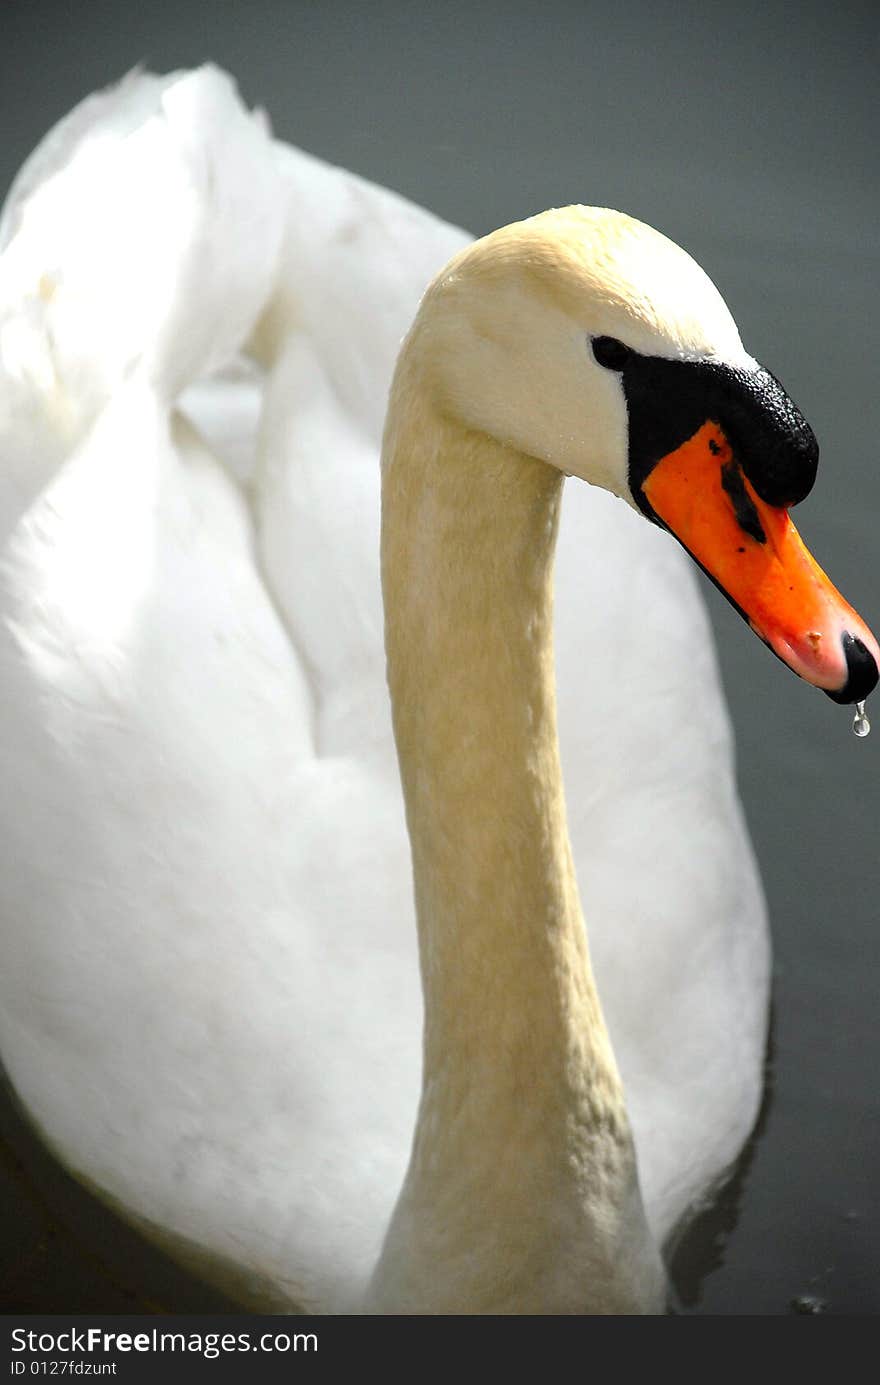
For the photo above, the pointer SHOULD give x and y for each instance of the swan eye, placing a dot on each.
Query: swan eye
(610, 352)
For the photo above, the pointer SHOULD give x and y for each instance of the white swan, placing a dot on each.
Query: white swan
(208, 995)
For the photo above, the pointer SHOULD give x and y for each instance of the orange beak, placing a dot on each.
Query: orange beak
(753, 552)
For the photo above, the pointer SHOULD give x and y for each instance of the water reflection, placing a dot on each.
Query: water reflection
(700, 1250)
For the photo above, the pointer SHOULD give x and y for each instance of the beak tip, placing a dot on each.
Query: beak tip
(862, 672)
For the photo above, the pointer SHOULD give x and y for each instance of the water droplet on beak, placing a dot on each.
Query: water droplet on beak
(861, 724)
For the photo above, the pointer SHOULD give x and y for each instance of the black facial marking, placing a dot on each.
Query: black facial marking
(668, 401)
(610, 352)
(747, 517)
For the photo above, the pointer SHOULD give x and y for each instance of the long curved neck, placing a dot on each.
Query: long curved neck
(467, 567)
(522, 1117)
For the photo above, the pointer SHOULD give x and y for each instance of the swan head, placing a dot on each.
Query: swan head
(586, 339)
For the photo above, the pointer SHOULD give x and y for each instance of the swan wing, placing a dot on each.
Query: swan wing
(184, 882)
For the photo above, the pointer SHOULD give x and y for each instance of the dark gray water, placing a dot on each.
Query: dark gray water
(748, 134)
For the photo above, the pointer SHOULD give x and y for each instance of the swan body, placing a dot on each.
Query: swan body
(209, 990)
